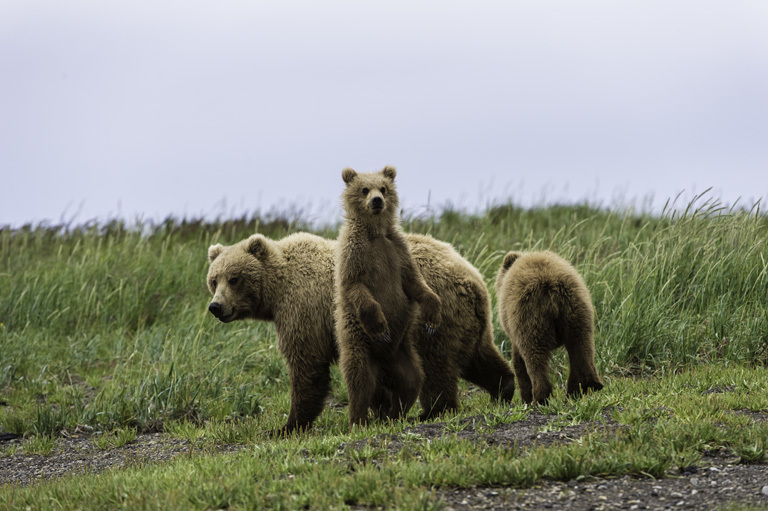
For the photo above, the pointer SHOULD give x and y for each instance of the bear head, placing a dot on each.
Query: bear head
(370, 195)
(237, 279)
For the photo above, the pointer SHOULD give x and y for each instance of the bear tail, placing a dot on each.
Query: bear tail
(551, 299)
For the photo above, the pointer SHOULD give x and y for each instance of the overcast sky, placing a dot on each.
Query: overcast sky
(143, 109)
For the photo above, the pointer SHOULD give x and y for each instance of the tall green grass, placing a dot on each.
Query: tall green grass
(107, 326)
(681, 288)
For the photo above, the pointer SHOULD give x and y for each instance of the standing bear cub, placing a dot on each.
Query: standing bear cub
(544, 304)
(377, 289)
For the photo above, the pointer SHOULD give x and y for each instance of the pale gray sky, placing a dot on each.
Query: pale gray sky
(151, 108)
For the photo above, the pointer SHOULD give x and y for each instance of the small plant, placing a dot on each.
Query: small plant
(188, 431)
(494, 420)
(237, 431)
(13, 423)
(115, 439)
(570, 464)
(518, 413)
(325, 449)
(588, 408)
(750, 445)
(49, 420)
(245, 402)
(10, 450)
(41, 445)
(455, 424)
(366, 453)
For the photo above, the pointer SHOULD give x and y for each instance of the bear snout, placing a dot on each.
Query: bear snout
(216, 309)
(377, 203)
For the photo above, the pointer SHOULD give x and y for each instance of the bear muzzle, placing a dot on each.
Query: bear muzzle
(377, 204)
(218, 311)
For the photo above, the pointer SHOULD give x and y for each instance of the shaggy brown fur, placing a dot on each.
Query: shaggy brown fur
(290, 282)
(544, 304)
(377, 289)
(463, 346)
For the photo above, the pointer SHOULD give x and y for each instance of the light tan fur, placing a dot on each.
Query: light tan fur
(288, 282)
(377, 291)
(297, 274)
(463, 345)
(544, 303)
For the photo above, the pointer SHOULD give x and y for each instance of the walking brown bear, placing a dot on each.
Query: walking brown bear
(543, 304)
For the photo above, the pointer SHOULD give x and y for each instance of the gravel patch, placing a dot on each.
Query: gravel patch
(77, 455)
(533, 430)
(712, 487)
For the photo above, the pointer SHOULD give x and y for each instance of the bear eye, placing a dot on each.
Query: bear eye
(233, 281)
(365, 191)
(383, 190)
(213, 284)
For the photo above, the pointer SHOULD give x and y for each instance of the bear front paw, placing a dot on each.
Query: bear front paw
(374, 322)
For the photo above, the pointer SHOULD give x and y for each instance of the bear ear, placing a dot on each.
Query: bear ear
(257, 246)
(389, 171)
(348, 175)
(215, 251)
(510, 258)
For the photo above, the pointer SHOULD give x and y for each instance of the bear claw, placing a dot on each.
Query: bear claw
(430, 329)
(387, 337)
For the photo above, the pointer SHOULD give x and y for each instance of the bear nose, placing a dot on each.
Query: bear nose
(378, 202)
(215, 308)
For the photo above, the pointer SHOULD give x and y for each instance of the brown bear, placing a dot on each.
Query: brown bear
(290, 282)
(544, 304)
(378, 288)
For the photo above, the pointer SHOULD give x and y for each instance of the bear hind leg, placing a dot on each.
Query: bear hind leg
(436, 400)
(405, 380)
(537, 364)
(440, 392)
(360, 375)
(521, 372)
(582, 375)
(490, 371)
(382, 400)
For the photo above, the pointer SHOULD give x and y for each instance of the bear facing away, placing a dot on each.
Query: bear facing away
(377, 291)
(543, 304)
(290, 282)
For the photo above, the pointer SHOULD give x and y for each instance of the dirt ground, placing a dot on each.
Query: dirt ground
(717, 481)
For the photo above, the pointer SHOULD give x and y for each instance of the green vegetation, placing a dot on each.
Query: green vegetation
(105, 328)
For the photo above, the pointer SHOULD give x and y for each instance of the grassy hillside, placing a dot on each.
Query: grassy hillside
(105, 328)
